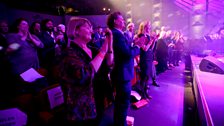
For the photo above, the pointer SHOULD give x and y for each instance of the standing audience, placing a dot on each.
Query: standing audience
(35, 28)
(129, 33)
(178, 48)
(47, 54)
(161, 53)
(61, 39)
(87, 65)
(102, 83)
(4, 66)
(98, 37)
(170, 43)
(147, 68)
(123, 71)
(3, 32)
(22, 55)
(76, 72)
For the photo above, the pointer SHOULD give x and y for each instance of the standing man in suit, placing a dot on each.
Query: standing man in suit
(47, 54)
(123, 71)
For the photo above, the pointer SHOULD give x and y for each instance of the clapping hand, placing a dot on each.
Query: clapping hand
(140, 41)
(109, 39)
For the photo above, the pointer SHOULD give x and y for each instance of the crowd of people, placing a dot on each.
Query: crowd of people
(90, 66)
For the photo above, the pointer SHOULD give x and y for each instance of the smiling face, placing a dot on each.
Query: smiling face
(49, 26)
(79, 29)
(4, 27)
(23, 26)
(84, 32)
(119, 22)
(131, 27)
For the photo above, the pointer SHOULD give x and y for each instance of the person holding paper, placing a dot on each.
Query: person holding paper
(22, 56)
(77, 68)
(23, 46)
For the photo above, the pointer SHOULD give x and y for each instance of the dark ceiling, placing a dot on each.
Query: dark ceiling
(61, 7)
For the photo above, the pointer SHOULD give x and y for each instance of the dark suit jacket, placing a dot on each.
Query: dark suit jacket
(123, 57)
(47, 53)
(129, 38)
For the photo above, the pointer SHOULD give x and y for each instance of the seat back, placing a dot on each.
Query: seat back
(51, 105)
(51, 97)
(12, 117)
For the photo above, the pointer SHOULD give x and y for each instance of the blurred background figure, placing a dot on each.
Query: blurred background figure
(170, 43)
(22, 55)
(4, 75)
(161, 53)
(178, 48)
(129, 33)
(61, 39)
(35, 28)
(47, 54)
(3, 31)
(98, 38)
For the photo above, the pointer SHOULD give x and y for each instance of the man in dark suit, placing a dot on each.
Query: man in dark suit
(123, 71)
(47, 54)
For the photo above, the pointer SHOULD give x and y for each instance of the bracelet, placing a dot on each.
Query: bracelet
(101, 54)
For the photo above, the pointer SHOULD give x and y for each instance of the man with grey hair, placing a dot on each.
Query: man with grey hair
(129, 33)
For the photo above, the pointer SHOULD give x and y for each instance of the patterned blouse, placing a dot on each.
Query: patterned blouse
(75, 75)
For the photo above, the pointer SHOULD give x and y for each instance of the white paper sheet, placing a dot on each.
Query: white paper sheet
(30, 75)
(55, 97)
(136, 95)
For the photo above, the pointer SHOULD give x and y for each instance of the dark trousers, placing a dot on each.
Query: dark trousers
(177, 57)
(102, 90)
(170, 55)
(122, 102)
(162, 64)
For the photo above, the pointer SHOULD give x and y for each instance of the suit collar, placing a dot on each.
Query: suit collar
(119, 30)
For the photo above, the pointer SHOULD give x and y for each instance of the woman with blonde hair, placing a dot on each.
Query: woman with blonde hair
(178, 48)
(147, 68)
(76, 71)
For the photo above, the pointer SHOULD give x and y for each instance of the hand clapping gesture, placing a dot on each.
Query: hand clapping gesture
(139, 41)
